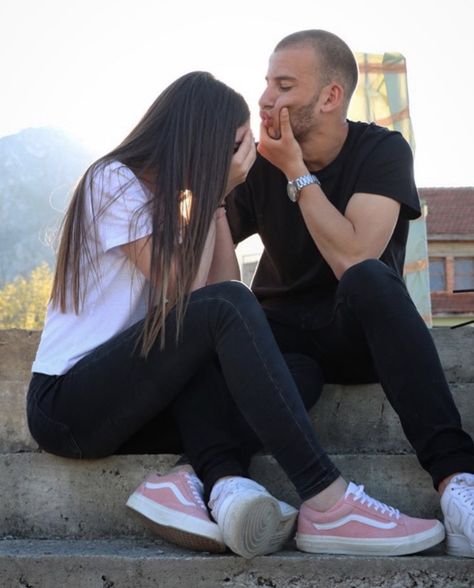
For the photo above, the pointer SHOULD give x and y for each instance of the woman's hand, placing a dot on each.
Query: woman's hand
(242, 161)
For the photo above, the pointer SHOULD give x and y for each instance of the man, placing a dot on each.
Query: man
(331, 200)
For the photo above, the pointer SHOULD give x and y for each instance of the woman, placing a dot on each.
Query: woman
(141, 308)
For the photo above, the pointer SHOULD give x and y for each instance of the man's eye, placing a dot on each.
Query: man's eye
(285, 88)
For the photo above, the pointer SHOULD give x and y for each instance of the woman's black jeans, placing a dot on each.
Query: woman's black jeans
(112, 393)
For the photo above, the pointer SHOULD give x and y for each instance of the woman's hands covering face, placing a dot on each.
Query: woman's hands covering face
(242, 161)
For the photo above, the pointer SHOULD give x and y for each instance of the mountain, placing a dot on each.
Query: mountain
(38, 169)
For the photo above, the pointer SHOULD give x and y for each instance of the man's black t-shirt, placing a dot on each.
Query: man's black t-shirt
(292, 276)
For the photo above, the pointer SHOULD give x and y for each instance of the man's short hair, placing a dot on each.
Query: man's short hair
(337, 61)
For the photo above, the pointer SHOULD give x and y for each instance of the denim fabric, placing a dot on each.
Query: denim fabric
(112, 393)
(227, 442)
(376, 334)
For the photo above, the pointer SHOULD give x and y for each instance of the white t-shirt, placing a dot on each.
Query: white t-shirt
(116, 296)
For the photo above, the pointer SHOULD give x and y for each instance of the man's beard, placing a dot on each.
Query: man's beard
(303, 120)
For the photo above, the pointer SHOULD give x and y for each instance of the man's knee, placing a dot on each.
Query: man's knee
(367, 273)
(371, 282)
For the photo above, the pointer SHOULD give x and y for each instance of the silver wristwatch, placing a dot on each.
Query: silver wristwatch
(295, 186)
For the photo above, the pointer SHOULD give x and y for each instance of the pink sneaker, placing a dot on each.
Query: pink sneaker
(361, 525)
(174, 504)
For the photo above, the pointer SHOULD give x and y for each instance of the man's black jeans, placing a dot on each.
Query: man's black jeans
(112, 393)
(376, 334)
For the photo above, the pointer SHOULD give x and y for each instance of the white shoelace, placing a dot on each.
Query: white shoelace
(231, 486)
(196, 487)
(359, 494)
(463, 487)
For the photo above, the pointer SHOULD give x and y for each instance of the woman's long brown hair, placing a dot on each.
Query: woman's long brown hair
(184, 141)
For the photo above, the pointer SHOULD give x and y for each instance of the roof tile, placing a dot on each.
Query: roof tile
(450, 210)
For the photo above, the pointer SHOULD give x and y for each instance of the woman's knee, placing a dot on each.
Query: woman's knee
(231, 287)
(232, 291)
(231, 299)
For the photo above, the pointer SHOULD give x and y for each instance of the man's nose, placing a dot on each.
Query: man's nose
(266, 100)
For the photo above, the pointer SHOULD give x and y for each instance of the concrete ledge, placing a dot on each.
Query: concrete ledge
(336, 416)
(145, 564)
(49, 497)
(360, 418)
(346, 418)
(455, 346)
(17, 351)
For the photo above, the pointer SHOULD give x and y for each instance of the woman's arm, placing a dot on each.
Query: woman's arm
(139, 253)
(224, 264)
(218, 261)
(205, 263)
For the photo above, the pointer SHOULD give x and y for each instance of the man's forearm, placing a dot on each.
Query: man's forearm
(332, 232)
(361, 233)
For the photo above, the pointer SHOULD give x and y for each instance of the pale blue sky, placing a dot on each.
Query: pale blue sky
(92, 67)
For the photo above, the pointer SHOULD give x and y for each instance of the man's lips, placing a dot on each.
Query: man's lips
(266, 118)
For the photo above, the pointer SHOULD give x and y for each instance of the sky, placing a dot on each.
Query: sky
(92, 67)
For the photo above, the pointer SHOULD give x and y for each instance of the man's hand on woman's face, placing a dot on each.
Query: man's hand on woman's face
(242, 161)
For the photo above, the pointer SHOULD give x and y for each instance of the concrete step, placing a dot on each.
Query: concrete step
(360, 418)
(122, 563)
(336, 417)
(49, 497)
(64, 522)
(455, 347)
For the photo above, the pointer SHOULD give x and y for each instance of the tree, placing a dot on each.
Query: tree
(23, 302)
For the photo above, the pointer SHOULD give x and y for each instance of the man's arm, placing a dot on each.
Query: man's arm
(362, 232)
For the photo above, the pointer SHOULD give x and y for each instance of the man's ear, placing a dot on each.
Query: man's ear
(332, 97)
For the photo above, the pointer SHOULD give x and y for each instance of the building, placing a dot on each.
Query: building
(450, 228)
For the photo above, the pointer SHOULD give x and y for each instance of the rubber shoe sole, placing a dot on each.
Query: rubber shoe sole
(254, 525)
(178, 528)
(286, 528)
(388, 547)
(459, 545)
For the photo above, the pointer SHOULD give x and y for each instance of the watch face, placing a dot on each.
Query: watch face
(292, 191)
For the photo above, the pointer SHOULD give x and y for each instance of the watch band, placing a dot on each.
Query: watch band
(306, 180)
(294, 187)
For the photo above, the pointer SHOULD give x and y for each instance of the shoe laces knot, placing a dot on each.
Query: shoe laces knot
(360, 495)
(195, 485)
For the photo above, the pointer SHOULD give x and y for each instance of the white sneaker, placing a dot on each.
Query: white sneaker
(252, 521)
(457, 504)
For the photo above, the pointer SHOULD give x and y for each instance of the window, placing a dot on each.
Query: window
(464, 273)
(437, 274)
